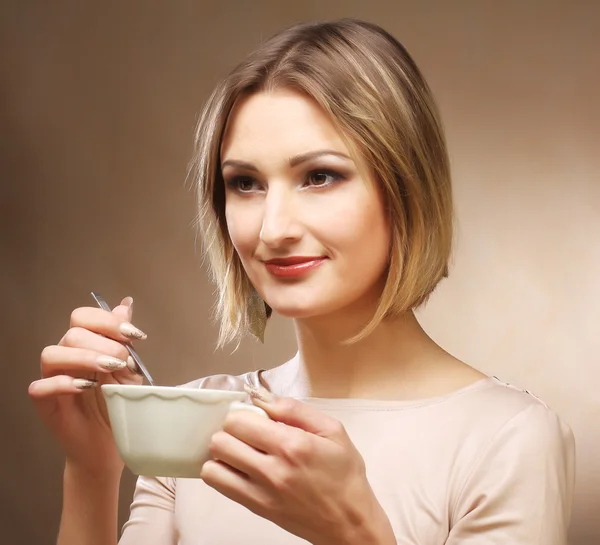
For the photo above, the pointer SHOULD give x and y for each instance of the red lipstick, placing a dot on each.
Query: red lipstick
(294, 266)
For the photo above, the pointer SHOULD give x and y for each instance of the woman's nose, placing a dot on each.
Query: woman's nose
(280, 224)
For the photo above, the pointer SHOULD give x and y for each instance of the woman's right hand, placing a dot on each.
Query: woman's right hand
(68, 396)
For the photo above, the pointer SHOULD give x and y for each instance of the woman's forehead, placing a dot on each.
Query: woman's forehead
(279, 122)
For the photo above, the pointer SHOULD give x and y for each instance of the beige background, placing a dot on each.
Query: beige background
(98, 105)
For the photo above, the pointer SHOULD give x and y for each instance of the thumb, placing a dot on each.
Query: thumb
(124, 309)
(296, 414)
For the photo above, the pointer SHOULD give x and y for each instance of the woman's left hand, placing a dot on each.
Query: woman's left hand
(300, 470)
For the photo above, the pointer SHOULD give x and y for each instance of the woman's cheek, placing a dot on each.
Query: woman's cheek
(243, 230)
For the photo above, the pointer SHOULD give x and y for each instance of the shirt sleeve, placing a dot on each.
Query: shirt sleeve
(152, 518)
(521, 489)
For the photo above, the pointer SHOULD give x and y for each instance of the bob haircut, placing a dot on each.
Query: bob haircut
(378, 100)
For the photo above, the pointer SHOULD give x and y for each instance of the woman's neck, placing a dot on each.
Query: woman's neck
(397, 361)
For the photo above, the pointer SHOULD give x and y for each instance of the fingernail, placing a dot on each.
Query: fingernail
(132, 332)
(84, 383)
(128, 302)
(109, 363)
(132, 366)
(259, 393)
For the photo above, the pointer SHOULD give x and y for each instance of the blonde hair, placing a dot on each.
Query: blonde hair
(379, 101)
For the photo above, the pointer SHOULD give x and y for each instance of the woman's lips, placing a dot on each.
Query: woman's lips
(293, 267)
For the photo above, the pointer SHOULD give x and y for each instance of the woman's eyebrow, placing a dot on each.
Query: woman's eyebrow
(297, 159)
(239, 164)
(293, 161)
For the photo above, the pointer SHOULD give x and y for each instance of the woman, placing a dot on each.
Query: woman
(325, 195)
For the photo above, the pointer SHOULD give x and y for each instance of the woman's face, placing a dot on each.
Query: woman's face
(310, 230)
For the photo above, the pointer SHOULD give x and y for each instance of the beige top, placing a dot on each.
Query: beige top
(488, 464)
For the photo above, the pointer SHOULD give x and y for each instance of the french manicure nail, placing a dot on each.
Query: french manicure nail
(84, 383)
(132, 332)
(109, 363)
(259, 393)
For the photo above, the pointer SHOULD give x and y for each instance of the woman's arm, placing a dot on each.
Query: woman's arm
(90, 511)
(152, 516)
(90, 505)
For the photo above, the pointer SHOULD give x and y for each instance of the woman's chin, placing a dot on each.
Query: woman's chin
(298, 312)
(295, 313)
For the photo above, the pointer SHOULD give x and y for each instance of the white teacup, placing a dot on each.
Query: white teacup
(163, 431)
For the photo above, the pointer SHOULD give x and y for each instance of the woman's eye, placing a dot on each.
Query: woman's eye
(245, 184)
(319, 178)
(242, 184)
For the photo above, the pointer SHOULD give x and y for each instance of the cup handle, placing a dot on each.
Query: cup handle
(241, 406)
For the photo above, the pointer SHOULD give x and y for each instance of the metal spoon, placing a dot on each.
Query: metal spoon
(104, 305)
